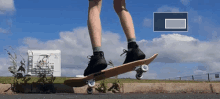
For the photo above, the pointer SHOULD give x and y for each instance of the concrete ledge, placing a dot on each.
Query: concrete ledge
(167, 88)
(215, 87)
(84, 89)
(125, 88)
(5, 89)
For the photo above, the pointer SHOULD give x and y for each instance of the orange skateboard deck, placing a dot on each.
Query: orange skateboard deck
(79, 82)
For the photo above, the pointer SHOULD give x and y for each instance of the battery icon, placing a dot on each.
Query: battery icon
(175, 23)
(170, 21)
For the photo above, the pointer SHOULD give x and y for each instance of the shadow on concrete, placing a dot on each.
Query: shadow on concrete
(41, 88)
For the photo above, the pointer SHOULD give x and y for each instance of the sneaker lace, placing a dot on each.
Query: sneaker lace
(124, 51)
(89, 57)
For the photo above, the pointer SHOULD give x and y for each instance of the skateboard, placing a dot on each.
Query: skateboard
(140, 66)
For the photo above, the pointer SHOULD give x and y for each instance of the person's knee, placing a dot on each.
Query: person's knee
(119, 5)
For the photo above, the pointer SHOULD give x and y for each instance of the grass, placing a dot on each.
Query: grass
(60, 80)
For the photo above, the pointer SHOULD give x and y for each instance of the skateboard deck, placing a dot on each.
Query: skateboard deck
(79, 82)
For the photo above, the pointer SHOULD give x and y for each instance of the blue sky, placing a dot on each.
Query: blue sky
(52, 21)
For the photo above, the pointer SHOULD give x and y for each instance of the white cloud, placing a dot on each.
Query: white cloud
(4, 67)
(198, 72)
(214, 66)
(185, 2)
(6, 6)
(3, 30)
(8, 25)
(75, 46)
(166, 8)
(174, 37)
(203, 26)
(198, 19)
(147, 22)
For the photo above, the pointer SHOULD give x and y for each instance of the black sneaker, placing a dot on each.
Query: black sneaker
(133, 53)
(97, 63)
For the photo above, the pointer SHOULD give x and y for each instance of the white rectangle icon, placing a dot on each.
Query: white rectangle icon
(175, 23)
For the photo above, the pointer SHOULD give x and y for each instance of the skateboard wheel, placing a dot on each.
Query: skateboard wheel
(139, 76)
(91, 83)
(89, 90)
(144, 68)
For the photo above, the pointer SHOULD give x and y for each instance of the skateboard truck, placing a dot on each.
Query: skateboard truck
(140, 70)
(91, 84)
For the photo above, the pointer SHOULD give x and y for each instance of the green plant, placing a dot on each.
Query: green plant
(102, 87)
(115, 86)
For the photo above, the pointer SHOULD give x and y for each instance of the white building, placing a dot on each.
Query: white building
(46, 59)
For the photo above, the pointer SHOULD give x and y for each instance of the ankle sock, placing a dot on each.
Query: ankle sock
(131, 40)
(96, 49)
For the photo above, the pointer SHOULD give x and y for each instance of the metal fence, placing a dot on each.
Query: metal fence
(202, 77)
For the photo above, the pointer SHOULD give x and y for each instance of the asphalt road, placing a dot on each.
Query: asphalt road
(111, 96)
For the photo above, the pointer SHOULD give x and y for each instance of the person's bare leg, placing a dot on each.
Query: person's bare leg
(133, 52)
(94, 23)
(97, 61)
(125, 19)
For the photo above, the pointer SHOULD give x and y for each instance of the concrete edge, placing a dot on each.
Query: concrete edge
(125, 88)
